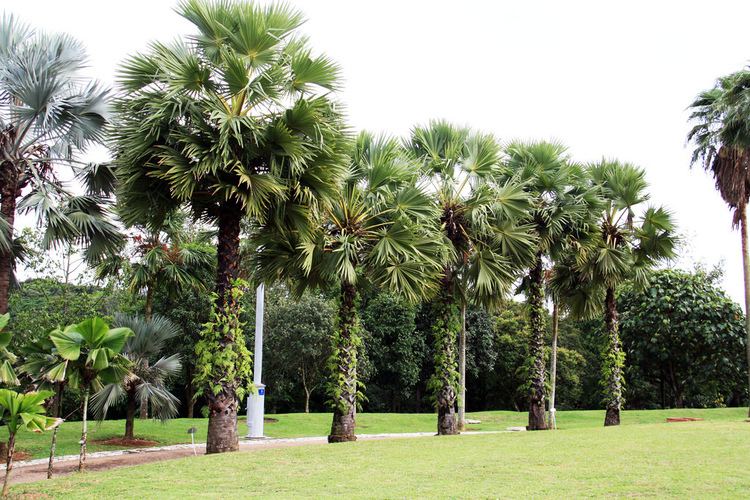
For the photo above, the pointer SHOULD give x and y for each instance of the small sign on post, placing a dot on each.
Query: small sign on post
(192, 432)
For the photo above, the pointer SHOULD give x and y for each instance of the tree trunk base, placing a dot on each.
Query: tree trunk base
(447, 425)
(612, 417)
(222, 429)
(537, 420)
(342, 428)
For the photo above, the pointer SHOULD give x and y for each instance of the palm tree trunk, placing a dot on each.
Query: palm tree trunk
(222, 407)
(52, 448)
(8, 197)
(462, 370)
(84, 431)
(149, 308)
(613, 361)
(746, 275)
(9, 463)
(345, 343)
(144, 402)
(130, 415)
(445, 379)
(553, 367)
(59, 386)
(537, 420)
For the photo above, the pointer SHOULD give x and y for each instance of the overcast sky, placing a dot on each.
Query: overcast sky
(605, 79)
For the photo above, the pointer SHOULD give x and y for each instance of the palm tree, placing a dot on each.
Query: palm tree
(560, 210)
(235, 122)
(721, 136)
(49, 114)
(146, 382)
(621, 247)
(168, 256)
(479, 210)
(23, 411)
(380, 229)
(90, 353)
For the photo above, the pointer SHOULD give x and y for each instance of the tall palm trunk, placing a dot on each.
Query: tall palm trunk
(222, 406)
(444, 381)
(9, 463)
(84, 431)
(537, 420)
(553, 368)
(462, 370)
(346, 342)
(8, 197)
(613, 361)
(746, 275)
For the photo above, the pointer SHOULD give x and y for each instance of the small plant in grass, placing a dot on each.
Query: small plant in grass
(90, 353)
(23, 411)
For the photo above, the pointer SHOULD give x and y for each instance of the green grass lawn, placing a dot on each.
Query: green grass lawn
(318, 424)
(695, 459)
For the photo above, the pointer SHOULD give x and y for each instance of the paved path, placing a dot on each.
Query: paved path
(35, 470)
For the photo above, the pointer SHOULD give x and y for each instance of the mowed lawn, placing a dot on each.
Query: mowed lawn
(693, 459)
(318, 424)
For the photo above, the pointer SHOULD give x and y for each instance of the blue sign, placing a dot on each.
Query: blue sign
(261, 392)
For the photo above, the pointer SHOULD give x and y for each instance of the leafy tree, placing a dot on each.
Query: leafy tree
(297, 342)
(237, 122)
(23, 411)
(479, 211)
(623, 247)
(561, 208)
(90, 353)
(394, 349)
(379, 228)
(146, 382)
(721, 136)
(683, 338)
(49, 114)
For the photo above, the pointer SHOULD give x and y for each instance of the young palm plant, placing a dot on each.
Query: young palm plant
(23, 411)
(721, 136)
(146, 383)
(90, 353)
(480, 211)
(49, 114)
(622, 246)
(561, 211)
(381, 229)
(236, 122)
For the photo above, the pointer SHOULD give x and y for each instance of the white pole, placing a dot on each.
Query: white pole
(255, 402)
(258, 364)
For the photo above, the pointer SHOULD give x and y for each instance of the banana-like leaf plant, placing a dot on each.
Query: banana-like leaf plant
(91, 358)
(7, 358)
(23, 411)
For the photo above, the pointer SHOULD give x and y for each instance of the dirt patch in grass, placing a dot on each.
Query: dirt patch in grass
(127, 442)
(684, 419)
(270, 420)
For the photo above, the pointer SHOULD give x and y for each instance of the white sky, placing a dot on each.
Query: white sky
(606, 78)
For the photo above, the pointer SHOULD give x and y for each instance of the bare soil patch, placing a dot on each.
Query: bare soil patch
(684, 419)
(126, 442)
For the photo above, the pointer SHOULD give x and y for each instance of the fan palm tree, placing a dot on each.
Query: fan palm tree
(90, 353)
(49, 114)
(561, 209)
(167, 257)
(380, 229)
(236, 123)
(480, 211)
(146, 382)
(721, 136)
(621, 247)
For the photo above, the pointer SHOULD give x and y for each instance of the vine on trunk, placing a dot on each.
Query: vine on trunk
(443, 384)
(223, 361)
(343, 388)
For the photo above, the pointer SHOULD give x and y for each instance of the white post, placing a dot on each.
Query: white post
(255, 402)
